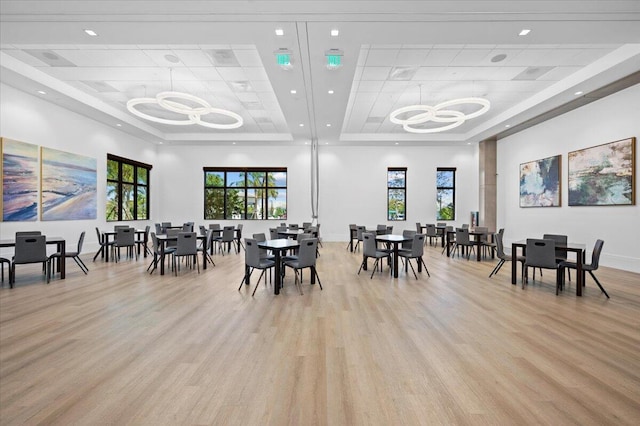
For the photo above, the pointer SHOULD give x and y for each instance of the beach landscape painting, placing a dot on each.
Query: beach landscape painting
(19, 181)
(540, 183)
(603, 175)
(69, 183)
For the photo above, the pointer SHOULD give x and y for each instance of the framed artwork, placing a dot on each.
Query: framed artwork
(540, 183)
(19, 181)
(603, 175)
(69, 184)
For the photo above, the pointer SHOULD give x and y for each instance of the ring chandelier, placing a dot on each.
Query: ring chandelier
(438, 114)
(167, 100)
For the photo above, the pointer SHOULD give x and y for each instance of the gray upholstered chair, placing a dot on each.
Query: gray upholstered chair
(104, 245)
(125, 237)
(187, 247)
(463, 240)
(416, 252)
(541, 253)
(359, 231)
(142, 241)
(205, 247)
(306, 259)
(253, 261)
(75, 255)
(30, 249)
(595, 260)
(370, 250)
(497, 239)
(561, 255)
(157, 254)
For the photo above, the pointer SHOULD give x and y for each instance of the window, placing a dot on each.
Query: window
(245, 193)
(396, 193)
(446, 193)
(127, 189)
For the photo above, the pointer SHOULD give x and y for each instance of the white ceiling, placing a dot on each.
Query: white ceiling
(395, 53)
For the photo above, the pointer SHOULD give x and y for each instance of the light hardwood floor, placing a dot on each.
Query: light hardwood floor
(121, 347)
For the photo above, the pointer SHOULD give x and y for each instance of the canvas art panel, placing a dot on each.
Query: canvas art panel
(19, 181)
(540, 183)
(69, 184)
(603, 175)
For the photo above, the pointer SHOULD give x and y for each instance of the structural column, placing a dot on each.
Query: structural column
(487, 168)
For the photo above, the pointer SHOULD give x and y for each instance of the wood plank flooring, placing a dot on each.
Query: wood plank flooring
(122, 347)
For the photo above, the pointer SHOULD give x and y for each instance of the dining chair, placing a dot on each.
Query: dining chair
(491, 245)
(227, 237)
(381, 229)
(273, 233)
(359, 231)
(497, 238)
(30, 249)
(418, 228)
(352, 235)
(187, 247)
(370, 250)
(27, 233)
(253, 261)
(143, 240)
(158, 229)
(103, 244)
(306, 225)
(416, 252)
(125, 237)
(406, 246)
(187, 227)
(561, 255)
(445, 235)
(484, 238)
(593, 266)
(168, 251)
(264, 253)
(306, 259)
(293, 226)
(75, 255)
(463, 241)
(238, 236)
(205, 247)
(431, 233)
(541, 253)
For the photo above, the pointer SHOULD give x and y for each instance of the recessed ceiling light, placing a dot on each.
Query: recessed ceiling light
(330, 92)
(42, 92)
(326, 143)
(397, 143)
(293, 91)
(524, 32)
(328, 124)
(301, 124)
(160, 143)
(118, 125)
(279, 32)
(335, 33)
(91, 33)
(233, 143)
(507, 125)
(579, 92)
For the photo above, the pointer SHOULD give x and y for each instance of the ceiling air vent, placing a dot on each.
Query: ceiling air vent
(532, 73)
(402, 73)
(223, 58)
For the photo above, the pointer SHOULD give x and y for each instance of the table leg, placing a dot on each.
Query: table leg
(278, 283)
(448, 244)
(364, 262)
(579, 272)
(514, 269)
(478, 242)
(106, 252)
(162, 243)
(62, 248)
(395, 260)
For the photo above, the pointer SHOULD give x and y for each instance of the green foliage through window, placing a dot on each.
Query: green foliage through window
(245, 193)
(127, 189)
(446, 193)
(396, 193)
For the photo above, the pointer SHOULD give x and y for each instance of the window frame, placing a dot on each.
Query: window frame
(397, 188)
(119, 182)
(246, 188)
(452, 188)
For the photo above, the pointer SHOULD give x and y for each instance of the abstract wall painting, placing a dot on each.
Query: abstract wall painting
(19, 181)
(603, 175)
(69, 184)
(540, 183)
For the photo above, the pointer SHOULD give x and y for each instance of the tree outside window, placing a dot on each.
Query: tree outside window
(127, 189)
(446, 193)
(396, 193)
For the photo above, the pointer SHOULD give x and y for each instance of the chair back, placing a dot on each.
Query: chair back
(30, 249)
(125, 237)
(158, 228)
(273, 233)
(381, 229)
(293, 226)
(560, 240)
(80, 242)
(172, 233)
(307, 253)
(595, 255)
(497, 237)
(359, 231)
(408, 233)
(462, 236)
(203, 230)
(227, 234)
(306, 225)
(251, 253)
(418, 228)
(166, 224)
(369, 244)
(187, 244)
(280, 229)
(304, 236)
(260, 237)
(154, 244)
(187, 227)
(465, 226)
(484, 230)
(214, 226)
(208, 239)
(390, 229)
(99, 235)
(27, 233)
(541, 253)
(441, 224)
(431, 231)
(417, 248)
(116, 227)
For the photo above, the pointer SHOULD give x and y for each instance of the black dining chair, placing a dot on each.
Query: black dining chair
(253, 260)
(104, 245)
(30, 249)
(593, 266)
(75, 255)
(306, 259)
(541, 253)
(416, 252)
(187, 247)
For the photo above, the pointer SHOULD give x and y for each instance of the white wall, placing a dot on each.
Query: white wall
(610, 119)
(30, 119)
(353, 185)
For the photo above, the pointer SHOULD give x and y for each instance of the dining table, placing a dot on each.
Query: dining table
(477, 241)
(109, 235)
(440, 232)
(163, 239)
(61, 247)
(578, 248)
(278, 247)
(395, 240)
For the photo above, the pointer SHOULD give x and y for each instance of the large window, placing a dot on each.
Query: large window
(245, 193)
(446, 193)
(396, 193)
(127, 189)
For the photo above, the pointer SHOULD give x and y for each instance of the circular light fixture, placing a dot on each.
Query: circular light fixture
(167, 101)
(438, 114)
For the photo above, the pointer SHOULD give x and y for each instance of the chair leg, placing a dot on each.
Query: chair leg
(314, 271)
(244, 279)
(373, 270)
(425, 266)
(599, 285)
(81, 264)
(98, 252)
(257, 283)
(412, 270)
(497, 268)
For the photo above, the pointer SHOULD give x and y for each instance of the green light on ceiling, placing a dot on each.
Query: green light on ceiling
(284, 59)
(333, 61)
